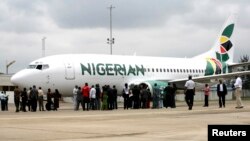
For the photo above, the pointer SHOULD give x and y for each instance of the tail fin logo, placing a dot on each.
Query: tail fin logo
(218, 65)
(225, 44)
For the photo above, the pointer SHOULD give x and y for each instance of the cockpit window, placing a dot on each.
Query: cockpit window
(45, 67)
(39, 67)
(31, 66)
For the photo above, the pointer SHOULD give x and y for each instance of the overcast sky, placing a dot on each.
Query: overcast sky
(171, 28)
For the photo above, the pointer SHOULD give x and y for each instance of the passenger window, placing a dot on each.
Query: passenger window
(160, 70)
(148, 70)
(153, 70)
(156, 70)
(39, 67)
(164, 70)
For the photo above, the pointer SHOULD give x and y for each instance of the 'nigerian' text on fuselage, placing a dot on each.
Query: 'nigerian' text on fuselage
(112, 69)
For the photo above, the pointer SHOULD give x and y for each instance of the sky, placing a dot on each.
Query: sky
(165, 28)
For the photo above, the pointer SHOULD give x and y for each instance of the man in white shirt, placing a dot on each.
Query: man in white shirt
(3, 101)
(40, 99)
(75, 96)
(92, 97)
(190, 92)
(125, 93)
(238, 91)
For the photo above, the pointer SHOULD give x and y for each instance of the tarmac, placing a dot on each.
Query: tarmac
(177, 124)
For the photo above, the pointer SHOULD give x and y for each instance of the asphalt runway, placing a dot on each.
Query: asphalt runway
(179, 124)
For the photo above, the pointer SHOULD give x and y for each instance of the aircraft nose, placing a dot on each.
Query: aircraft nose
(18, 78)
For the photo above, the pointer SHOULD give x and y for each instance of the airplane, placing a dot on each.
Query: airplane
(64, 71)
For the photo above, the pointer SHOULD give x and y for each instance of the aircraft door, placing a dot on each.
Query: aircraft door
(69, 71)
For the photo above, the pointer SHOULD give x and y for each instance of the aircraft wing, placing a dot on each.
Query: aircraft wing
(209, 79)
(239, 64)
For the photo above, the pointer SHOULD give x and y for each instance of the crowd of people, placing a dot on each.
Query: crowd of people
(222, 91)
(139, 96)
(91, 97)
(135, 97)
(105, 97)
(29, 98)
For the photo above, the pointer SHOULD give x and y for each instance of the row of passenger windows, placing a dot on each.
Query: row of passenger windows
(175, 70)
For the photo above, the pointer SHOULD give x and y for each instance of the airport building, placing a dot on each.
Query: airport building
(5, 84)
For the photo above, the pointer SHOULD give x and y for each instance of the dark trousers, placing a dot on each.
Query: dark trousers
(136, 103)
(173, 101)
(189, 97)
(33, 105)
(221, 100)
(93, 104)
(17, 104)
(78, 102)
(206, 100)
(110, 104)
(168, 101)
(6, 104)
(24, 102)
(126, 101)
(144, 103)
(86, 102)
(98, 104)
(29, 105)
(3, 105)
(115, 103)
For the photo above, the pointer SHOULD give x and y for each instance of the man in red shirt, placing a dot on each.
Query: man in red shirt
(85, 94)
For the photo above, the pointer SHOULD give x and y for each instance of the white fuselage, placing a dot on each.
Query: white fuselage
(63, 72)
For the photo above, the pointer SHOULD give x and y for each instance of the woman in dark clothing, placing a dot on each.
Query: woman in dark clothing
(104, 98)
(49, 105)
(24, 98)
(57, 97)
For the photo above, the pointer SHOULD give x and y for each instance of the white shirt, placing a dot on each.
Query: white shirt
(75, 91)
(40, 92)
(221, 87)
(126, 90)
(238, 83)
(190, 84)
(92, 93)
(2, 96)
